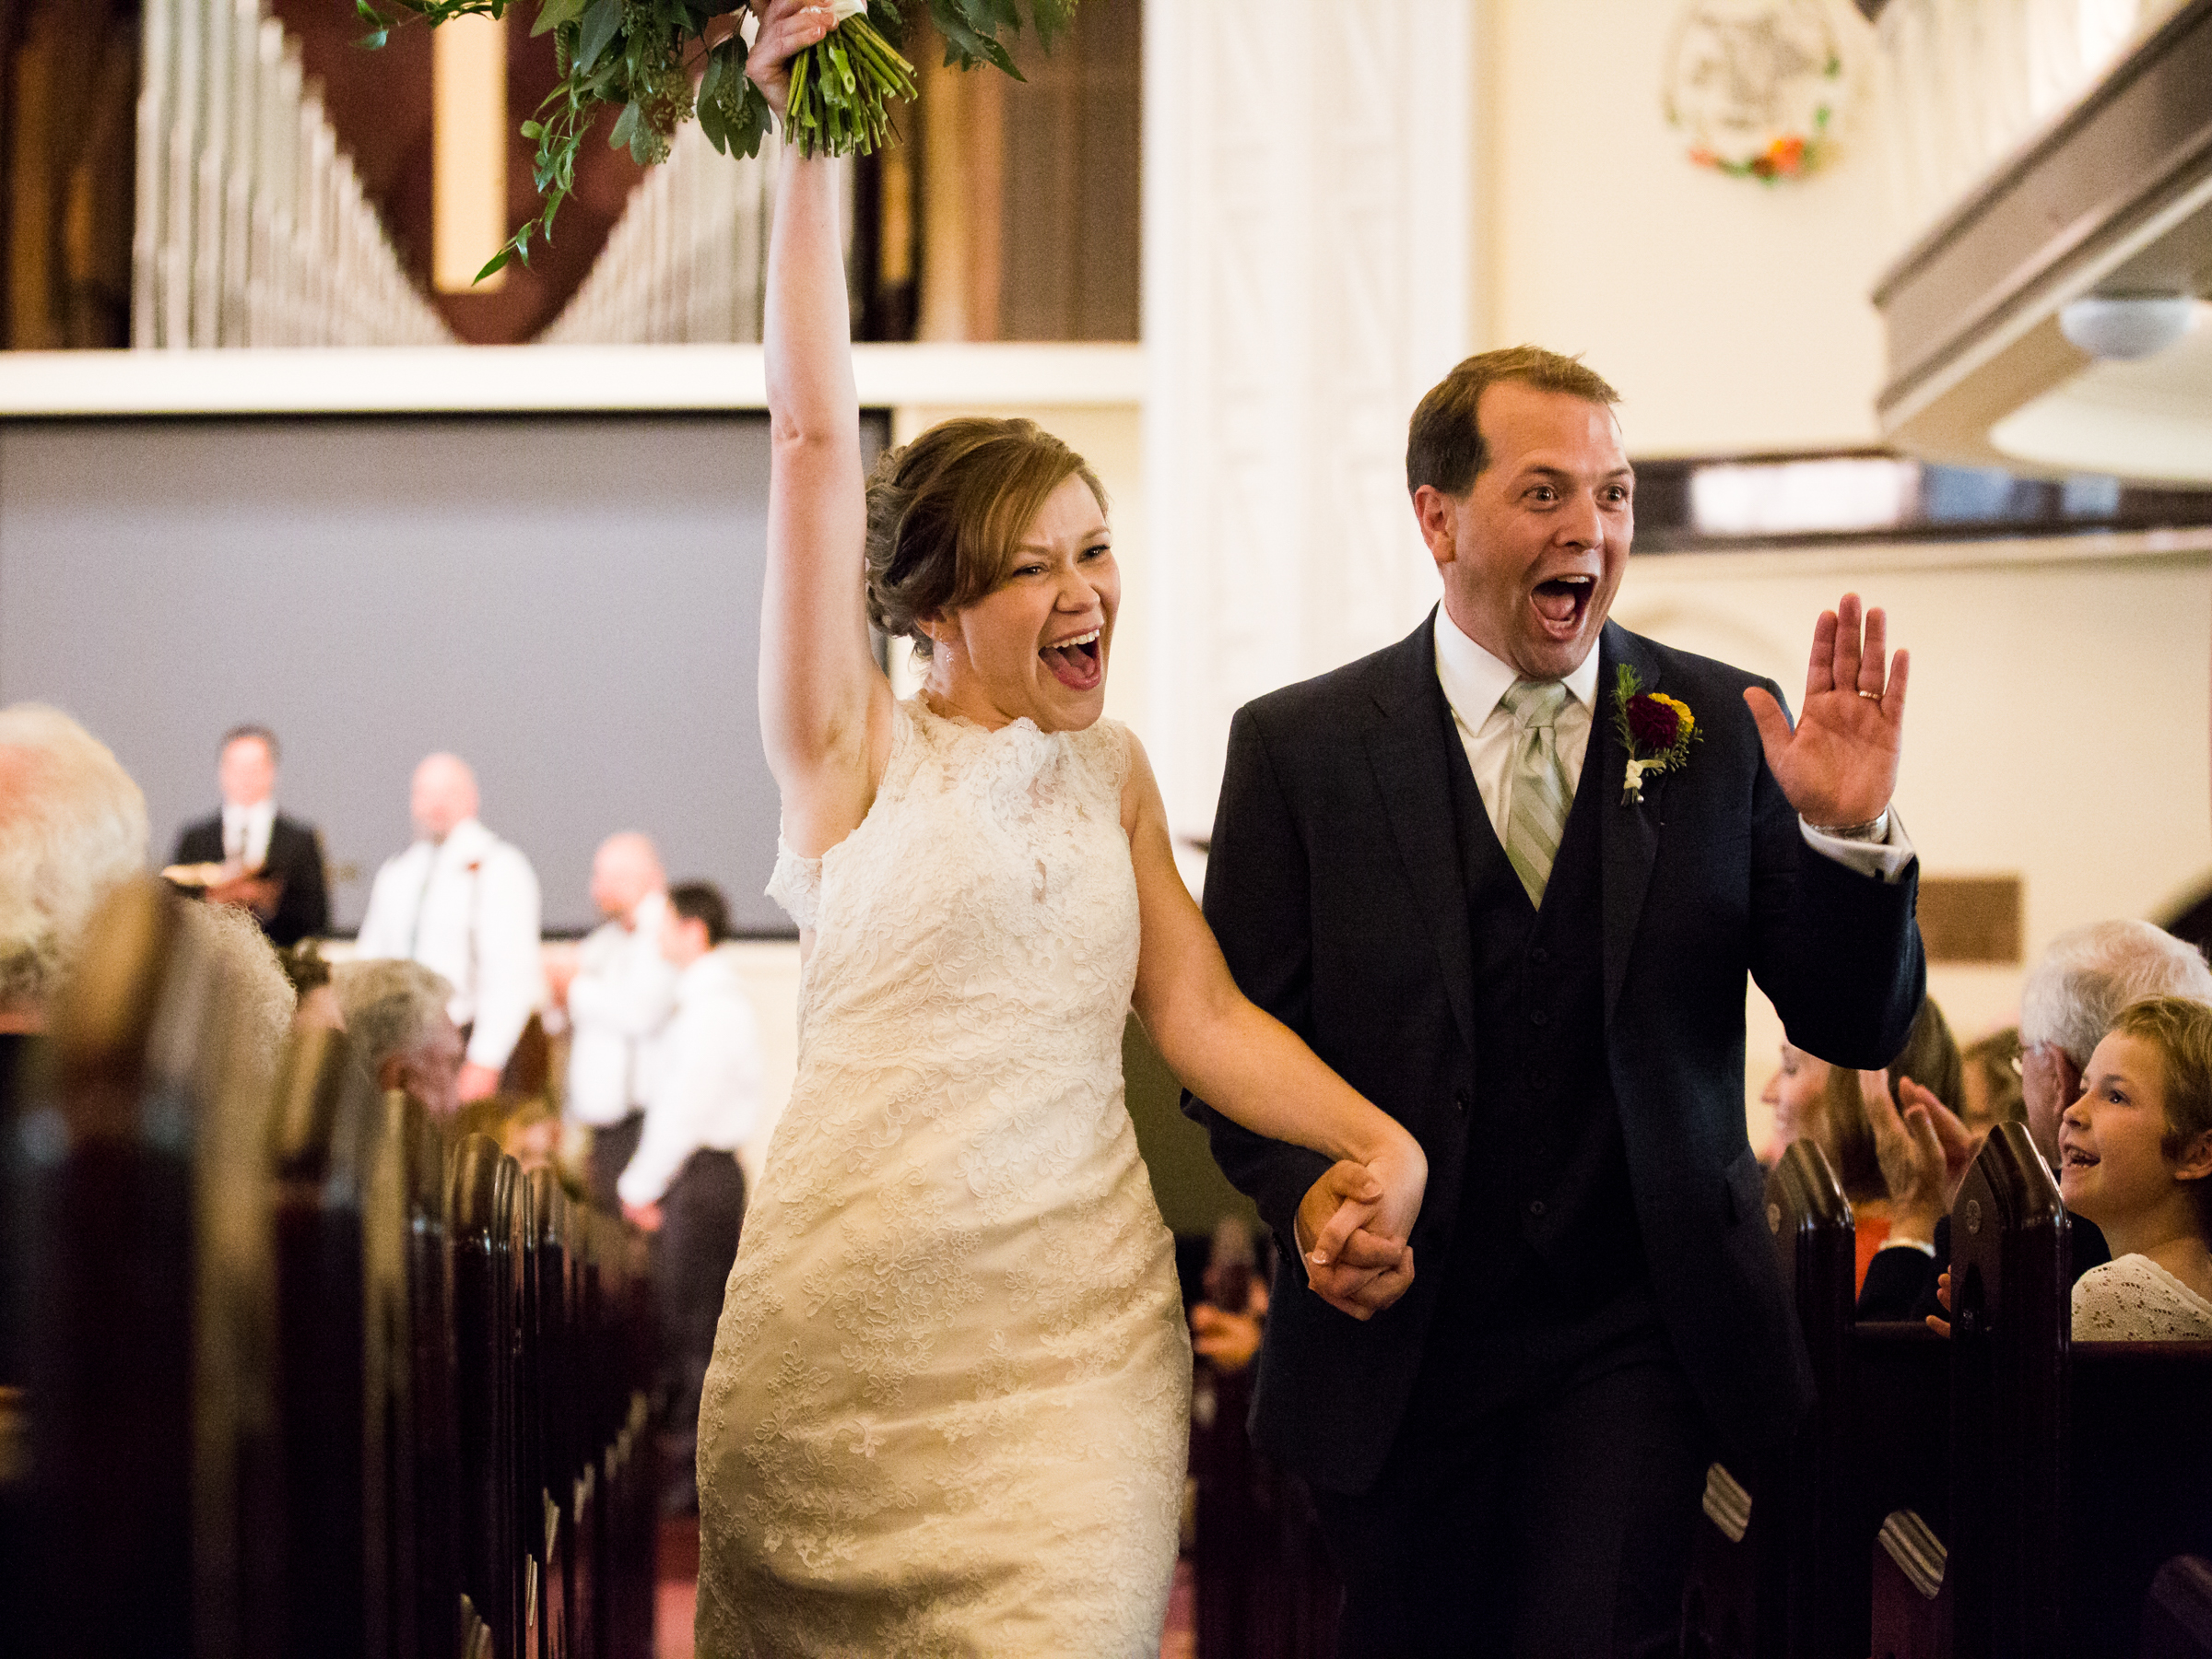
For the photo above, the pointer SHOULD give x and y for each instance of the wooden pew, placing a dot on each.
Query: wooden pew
(2177, 1619)
(1763, 1566)
(343, 1348)
(136, 1213)
(1780, 1564)
(486, 1226)
(549, 1460)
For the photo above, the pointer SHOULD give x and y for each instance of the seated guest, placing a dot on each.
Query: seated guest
(684, 1183)
(272, 864)
(72, 827)
(464, 903)
(1830, 1105)
(2072, 996)
(2136, 1157)
(1225, 1327)
(618, 995)
(395, 1014)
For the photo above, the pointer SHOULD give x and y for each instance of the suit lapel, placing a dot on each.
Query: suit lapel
(1627, 836)
(1407, 748)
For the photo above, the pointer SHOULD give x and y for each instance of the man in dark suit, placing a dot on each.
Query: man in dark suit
(1439, 867)
(278, 860)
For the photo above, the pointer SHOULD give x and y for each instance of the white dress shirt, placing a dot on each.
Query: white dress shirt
(465, 907)
(618, 1005)
(248, 829)
(1475, 683)
(709, 1093)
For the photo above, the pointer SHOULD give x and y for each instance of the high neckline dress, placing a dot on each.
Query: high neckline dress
(948, 1408)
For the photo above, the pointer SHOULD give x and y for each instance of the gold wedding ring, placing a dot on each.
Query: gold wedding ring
(1876, 695)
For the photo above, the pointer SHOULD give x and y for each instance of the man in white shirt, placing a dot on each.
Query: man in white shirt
(620, 992)
(463, 903)
(683, 1184)
(276, 862)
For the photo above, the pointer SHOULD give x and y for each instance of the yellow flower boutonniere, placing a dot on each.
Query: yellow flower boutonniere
(1655, 729)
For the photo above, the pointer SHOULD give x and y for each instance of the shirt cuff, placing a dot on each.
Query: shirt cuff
(1886, 859)
(1922, 1245)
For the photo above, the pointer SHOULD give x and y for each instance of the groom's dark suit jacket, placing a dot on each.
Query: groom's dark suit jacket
(1575, 1075)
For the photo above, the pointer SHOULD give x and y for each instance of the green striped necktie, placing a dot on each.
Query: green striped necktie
(1539, 795)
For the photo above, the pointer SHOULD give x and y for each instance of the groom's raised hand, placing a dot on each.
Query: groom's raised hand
(1355, 1271)
(1838, 767)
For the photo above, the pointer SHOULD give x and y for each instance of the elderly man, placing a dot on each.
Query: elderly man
(618, 996)
(464, 903)
(276, 863)
(72, 826)
(395, 1015)
(2072, 996)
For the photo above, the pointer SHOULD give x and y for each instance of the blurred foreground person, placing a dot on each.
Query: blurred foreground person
(72, 826)
(272, 864)
(619, 995)
(683, 1184)
(395, 1014)
(464, 903)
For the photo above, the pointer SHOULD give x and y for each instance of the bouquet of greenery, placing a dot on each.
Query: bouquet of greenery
(640, 57)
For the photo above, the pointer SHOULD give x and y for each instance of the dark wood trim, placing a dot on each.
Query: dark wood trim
(2133, 146)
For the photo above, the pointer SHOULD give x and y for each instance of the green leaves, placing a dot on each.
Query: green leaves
(601, 20)
(638, 56)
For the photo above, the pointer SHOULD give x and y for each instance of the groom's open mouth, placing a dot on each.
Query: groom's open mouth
(1562, 603)
(1076, 662)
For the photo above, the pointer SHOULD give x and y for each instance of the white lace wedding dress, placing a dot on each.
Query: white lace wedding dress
(948, 1408)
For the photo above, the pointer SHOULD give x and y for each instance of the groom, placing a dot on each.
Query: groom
(1429, 864)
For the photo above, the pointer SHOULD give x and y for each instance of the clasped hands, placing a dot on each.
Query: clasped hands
(1352, 1229)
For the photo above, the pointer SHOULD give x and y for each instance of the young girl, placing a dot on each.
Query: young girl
(2136, 1157)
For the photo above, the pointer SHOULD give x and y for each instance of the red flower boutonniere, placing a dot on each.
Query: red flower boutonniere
(1655, 729)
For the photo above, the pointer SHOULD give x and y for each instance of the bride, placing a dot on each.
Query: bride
(949, 1402)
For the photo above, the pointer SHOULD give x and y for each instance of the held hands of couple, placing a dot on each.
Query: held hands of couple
(1838, 767)
(1352, 1227)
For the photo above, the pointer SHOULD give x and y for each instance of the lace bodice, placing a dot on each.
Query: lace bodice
(2132, 1298)
(949, 1406)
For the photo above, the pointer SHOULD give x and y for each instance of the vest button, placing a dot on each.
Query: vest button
(1537, 1208)
(1537, 1017)
(1539, 956)
(1460, 1099)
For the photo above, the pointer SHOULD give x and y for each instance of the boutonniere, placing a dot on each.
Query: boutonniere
(1655, 729)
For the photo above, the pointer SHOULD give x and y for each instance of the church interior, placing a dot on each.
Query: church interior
(1905, 298)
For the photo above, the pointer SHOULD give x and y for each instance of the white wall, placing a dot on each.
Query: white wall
(1732, 315)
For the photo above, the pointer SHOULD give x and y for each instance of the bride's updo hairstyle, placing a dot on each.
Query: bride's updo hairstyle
(947, 511)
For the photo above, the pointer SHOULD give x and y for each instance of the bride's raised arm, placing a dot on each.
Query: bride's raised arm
(825, 706)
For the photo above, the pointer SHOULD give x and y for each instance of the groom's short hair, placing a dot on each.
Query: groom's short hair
(1443, 445)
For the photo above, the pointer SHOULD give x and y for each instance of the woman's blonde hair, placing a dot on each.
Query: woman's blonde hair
(946, 513)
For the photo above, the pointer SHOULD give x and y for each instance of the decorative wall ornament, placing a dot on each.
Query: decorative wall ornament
(1760, 87)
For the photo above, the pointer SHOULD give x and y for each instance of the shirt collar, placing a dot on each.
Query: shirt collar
(1474, 680)
(260, 812)
(466, 839)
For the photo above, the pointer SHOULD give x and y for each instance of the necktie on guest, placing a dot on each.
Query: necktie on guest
(234, 840)
(1536, 807)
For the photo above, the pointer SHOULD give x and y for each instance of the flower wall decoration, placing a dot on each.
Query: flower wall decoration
(1760, 87)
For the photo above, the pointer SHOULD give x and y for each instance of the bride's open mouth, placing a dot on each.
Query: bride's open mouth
(1076, 662)
(1562, 603)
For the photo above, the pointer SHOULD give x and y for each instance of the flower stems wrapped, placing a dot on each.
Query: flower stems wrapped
(639, 58)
